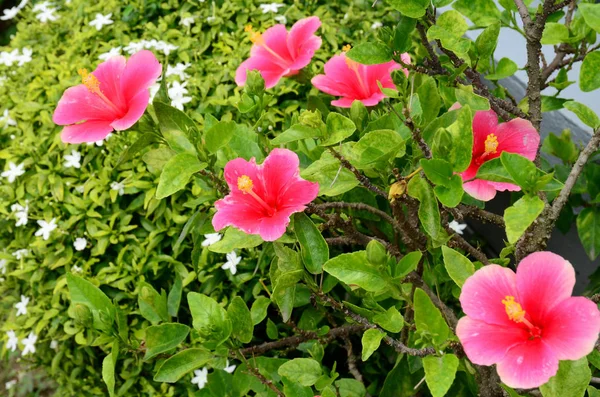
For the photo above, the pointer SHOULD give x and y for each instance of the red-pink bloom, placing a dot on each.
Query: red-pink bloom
(490, 139)
(356, 82)
(112, 97)
(263, 197)
(277, 53)
(526, 322)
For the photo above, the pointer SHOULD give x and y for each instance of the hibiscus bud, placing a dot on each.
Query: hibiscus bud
(255, 84)
(311, 119)
(376, 253)
(83, 315)
(146, 294)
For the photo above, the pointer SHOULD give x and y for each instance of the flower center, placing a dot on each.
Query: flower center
(258, 39)
(246, 186)
(354, 66)
(92, 83)
(346, 48)
(516, 313)
(491, 144)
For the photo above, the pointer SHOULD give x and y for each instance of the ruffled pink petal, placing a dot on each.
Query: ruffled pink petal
(544, 280)
(571, 328)
(302, 35)
(373, 99)
(89, 131)
(279, 168)
(484, 124)
(480, 189)
(271, 72)
(140, 73)
(238, 167)
(502, 186)
(135, 110)
(109, 74)
(298, 193)
(344, 102)
(518, 136)
(238, 212)
(528, 365)
(487, 344)
(276, 39)
(482, 294)
(272, 228)
(382, 73)
(306, 53)
(326, 84)
(79, 104)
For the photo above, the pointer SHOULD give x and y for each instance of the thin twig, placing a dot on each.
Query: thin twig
(361, 178)
(480, 215)
(254, 371)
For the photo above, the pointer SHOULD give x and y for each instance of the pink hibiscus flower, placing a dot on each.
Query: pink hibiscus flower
(490, 139)
(263, 197)
(356, 82)
(112, 97)
(526, 322)
(277, 53)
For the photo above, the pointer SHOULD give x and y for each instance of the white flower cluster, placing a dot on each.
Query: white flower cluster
(153, 44)
(13, 172)
(12, 12)
(101, 20)
(6, 119)
(200, 377)
(28, 343)
(21, 213)
(16, 56)
(176, 90)
(45, 12)
(270, 7)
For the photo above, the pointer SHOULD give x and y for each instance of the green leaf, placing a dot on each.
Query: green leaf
(179, 142)
(153, 306)
(493, 170)
(355, 269)
(108, 373)
(402, 34)
(520, 215)
(588, 228)
(407, 264)
(481, 12)
(390, 320)
(430, 99)
(450, 29)
(174, 297)
(440, 373)
(522, 170)
(450, 195)
(555, 33)
(370, 53)
(305, 371)
(379, 145)
(219, 135)
(591, 15)
(487, 41)
(410, 8)
(164, 337)
(338, 128)
(180, 364)
(476, 102)
(571, 380)
(177, 173)
(593, 392)
(314, 248)
(170, 118)
(258, 311)
(241, 318)
(505, 68)
(142, 142)
(350, 388)
(428, 318)
(332, 178)
(295, 389)
(429, 212)
(235, 239)
(589, 77)
(296, 132)
(585, 114)
(371, 340)
(85, 293)
(437, 171)
(462, 140)
(209, 318)
(459, 267)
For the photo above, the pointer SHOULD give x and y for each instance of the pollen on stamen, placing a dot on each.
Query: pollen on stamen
(245, 184)
(491, 144)
(256, 38)
(346, 48)
(89, 80)
(513, 309)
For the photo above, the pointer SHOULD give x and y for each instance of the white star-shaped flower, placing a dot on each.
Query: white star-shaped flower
(272, 7)
(3, 266)
(119, 187)
(13, 172)
(281, 19)
(29, 344)
(19, 254)
(43, 6)
(21, 213)
(178, 70)
(166, 48)
(47, 15)
(376, 25)
(229, 368)
(80, 243)
(187, 21)
(13, 342)
(73, 159)
(180, 101)
(76, 269)
(6, 119)
(53, 345)
(232, 261)
(176, 89)
(211, 19)
(25, 56)
(211, 238)
(200, 378)
(8, 58)
(9, 13)
(133, 47)
(101, 20)
(46, 228)
(10, 384)
(114, 52)
(457, 227)
(22, 306)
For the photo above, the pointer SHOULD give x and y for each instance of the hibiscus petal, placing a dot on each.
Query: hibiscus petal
(501, 186)
(237, 211)
(79, 104)
(518, 136)
(279, 168)
(297, 194)
(329, 86)
(109, 74)
(276, 39)
(90, 131)
(271, 72)
(571, 328)
(480, 189)
(484, 123)
(135, 110)
(238, 167)
(272, 228)
(344, 102)
(306, 53)
(544, 280)
(528, 365)
(302, 34)
(487, 344)
(373, 99)
(140, 73)
(482, 294)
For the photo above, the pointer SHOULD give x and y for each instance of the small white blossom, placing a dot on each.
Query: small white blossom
(80, 243)
(13, 172)
(200, 378)
(376, 25)
(229, 368)
(211, 19)
(119, 187)
(21, 213)
(8, 58)
(112, 53)
(176, 89)
(80, 189)
(40, 7)
(53, 344)
(281, 19)
(9, 13)
(232, 261)
(76, 269)
(10, 384)
(166, 48)
(29, 344)
(187, 21)
(457, 227)
(25, 56)
(22, 306)
(211, 238)
(20, 254)
(46, 228)
(73, 159)
(3, 266)
(178, 70)
(47, 15)
(272, 7)
(12, 342)
(6, 119)
(101, 20)
(180, 101)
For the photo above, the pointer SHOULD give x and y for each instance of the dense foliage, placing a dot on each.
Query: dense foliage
(132, 291)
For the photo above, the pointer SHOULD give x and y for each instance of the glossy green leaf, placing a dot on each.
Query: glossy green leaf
(259, 308)
(370, 53)
(174, 297)
(589, 77)
(85, 293)
(108, 373)
(332, 178)
(428, 318)
(219, 135)
(305, 371)
(241, 319)
(164, 337)
(380, 145)
(588, 228)
(177, 173)
(390, 320)
(591, 15)
(505, 68)
(584, 113)
(555, 33)
(481, 12)
(429, 212)
(520, 215)
(402, 34)
(295, 133)
(458, 266)
(487, 41)
(338, 128)
(407, 264)
(355, 269)
(180, 364)
(440, 373)
(571, 380)
(210, 319)
(235, 239)
(314, 248)
(410, 8)
(153, 306)
(371, 340)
